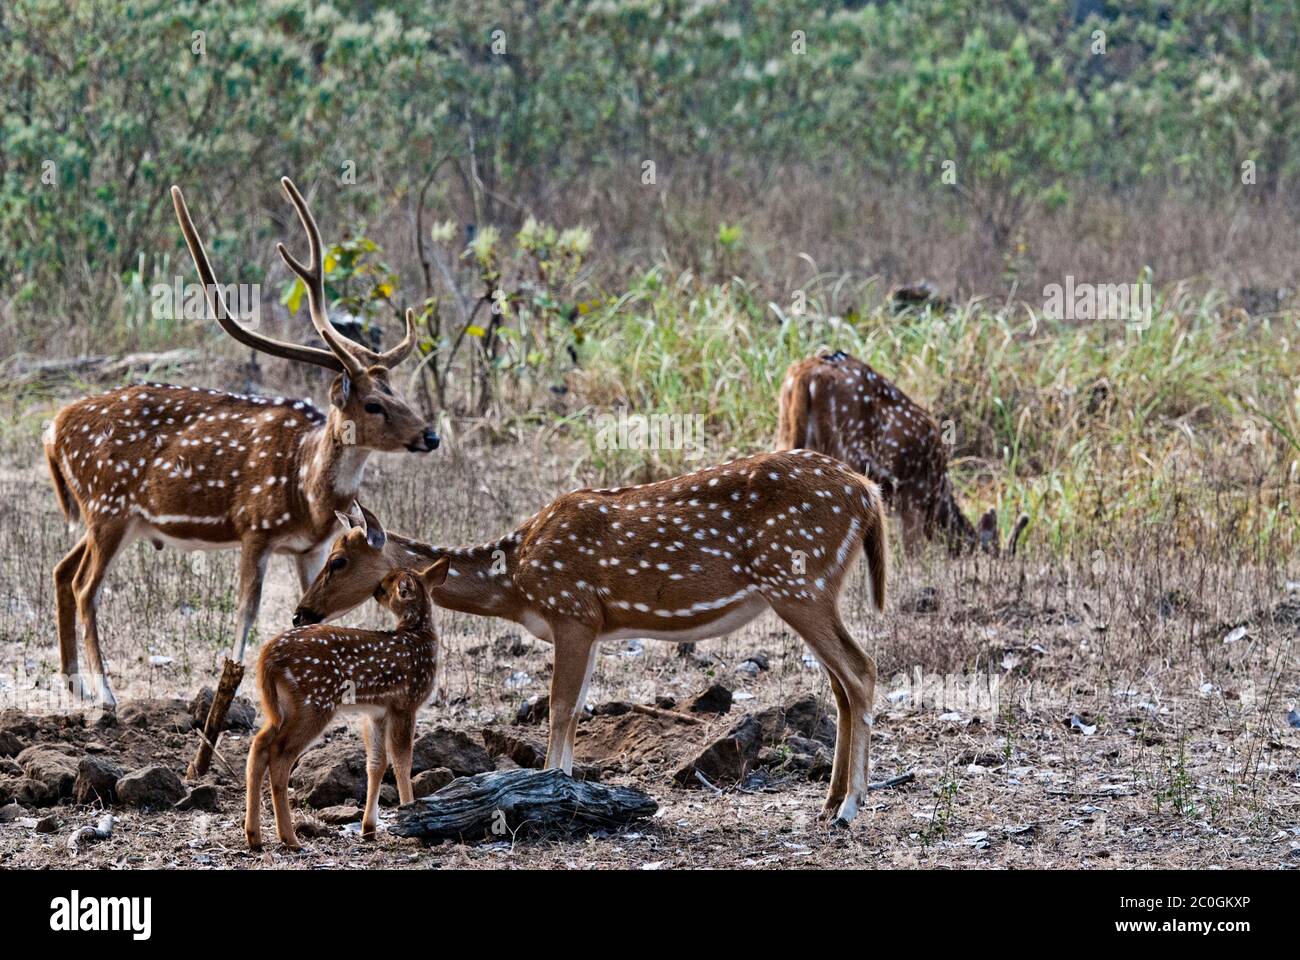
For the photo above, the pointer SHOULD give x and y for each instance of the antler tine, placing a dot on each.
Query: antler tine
(393, 357)
(313, 277)
(217, 301)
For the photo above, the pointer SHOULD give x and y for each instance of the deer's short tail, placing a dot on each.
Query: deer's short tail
(792, 416)
(267, 685)
(875, 544)
(62, 492)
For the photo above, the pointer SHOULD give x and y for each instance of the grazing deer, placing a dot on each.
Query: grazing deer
(309, 675)
(203, 469)
(685, 559)
(838, 405)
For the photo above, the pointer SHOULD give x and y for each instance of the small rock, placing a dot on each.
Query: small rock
(528, 754)
(505, 763)
(10, 744)
(388, 795)
(1078, 723)
(614, 708)
(161, 714)
(340, 814)
(26, 791)
(431, 781)
(96, 781)
(510, 645)
(50, 765)
(242, 715)
(201, 797)
(9, 767)
(10, 812)
(716, 699)
(48, 824)
(446, 747)
(534, 710)
(155, 786)
(924, 600)
(524, 752)
(331, 773)
(725, 761)
(310, 828)
(666, 703)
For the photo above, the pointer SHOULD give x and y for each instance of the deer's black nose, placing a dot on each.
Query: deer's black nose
(303, 617)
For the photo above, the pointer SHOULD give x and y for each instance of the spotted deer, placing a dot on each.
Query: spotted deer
(307, 676)
(836, 404)
(682, 560)
(203, 469)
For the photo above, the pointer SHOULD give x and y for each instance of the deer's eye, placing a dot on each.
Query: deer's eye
(338, 563)
(373, 407)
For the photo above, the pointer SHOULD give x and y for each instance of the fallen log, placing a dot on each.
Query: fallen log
(500, 804)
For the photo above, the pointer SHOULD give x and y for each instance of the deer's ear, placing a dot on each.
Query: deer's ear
(435, 575)
(344, 520)
(341, 390)
(376, 536)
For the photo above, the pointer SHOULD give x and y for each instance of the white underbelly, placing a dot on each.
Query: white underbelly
(730, 620)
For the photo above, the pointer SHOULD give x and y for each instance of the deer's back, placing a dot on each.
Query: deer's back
(186, 462)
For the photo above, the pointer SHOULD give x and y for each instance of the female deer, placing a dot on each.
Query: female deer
(685, 559)
(309, 675)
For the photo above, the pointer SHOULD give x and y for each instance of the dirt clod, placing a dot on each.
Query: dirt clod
(50, 765)
(331, 773)
(152, 787)
(454, 749)
(715, 699)
(242, 714)
(96, 781)
(431, 781)
(202, 797)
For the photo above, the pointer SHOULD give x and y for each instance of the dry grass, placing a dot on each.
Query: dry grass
(1192, 762)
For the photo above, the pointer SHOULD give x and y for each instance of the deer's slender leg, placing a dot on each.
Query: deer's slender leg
(103, 542)
(839, 788)
(575, 654)
(375, 732)
(252, 571)
(281, 765)
(255, 775)
(66, 598)
(401, 734)
(566, 761)
(820, 626)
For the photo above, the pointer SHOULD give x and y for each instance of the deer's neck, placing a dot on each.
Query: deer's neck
(480, 580)
(417, 625)
(331, 467)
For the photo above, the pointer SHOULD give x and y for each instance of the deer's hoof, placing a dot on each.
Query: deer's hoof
(847, 811)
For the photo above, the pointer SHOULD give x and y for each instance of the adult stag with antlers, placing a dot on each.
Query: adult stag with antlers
(203, 469)
(840, 406)
(685, 559)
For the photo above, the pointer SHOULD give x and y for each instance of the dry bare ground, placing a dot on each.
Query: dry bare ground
(1131, 708)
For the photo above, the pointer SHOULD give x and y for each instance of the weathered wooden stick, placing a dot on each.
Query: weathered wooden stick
(893, 781)
(650, 711)
(231, 674)
(499, 804)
